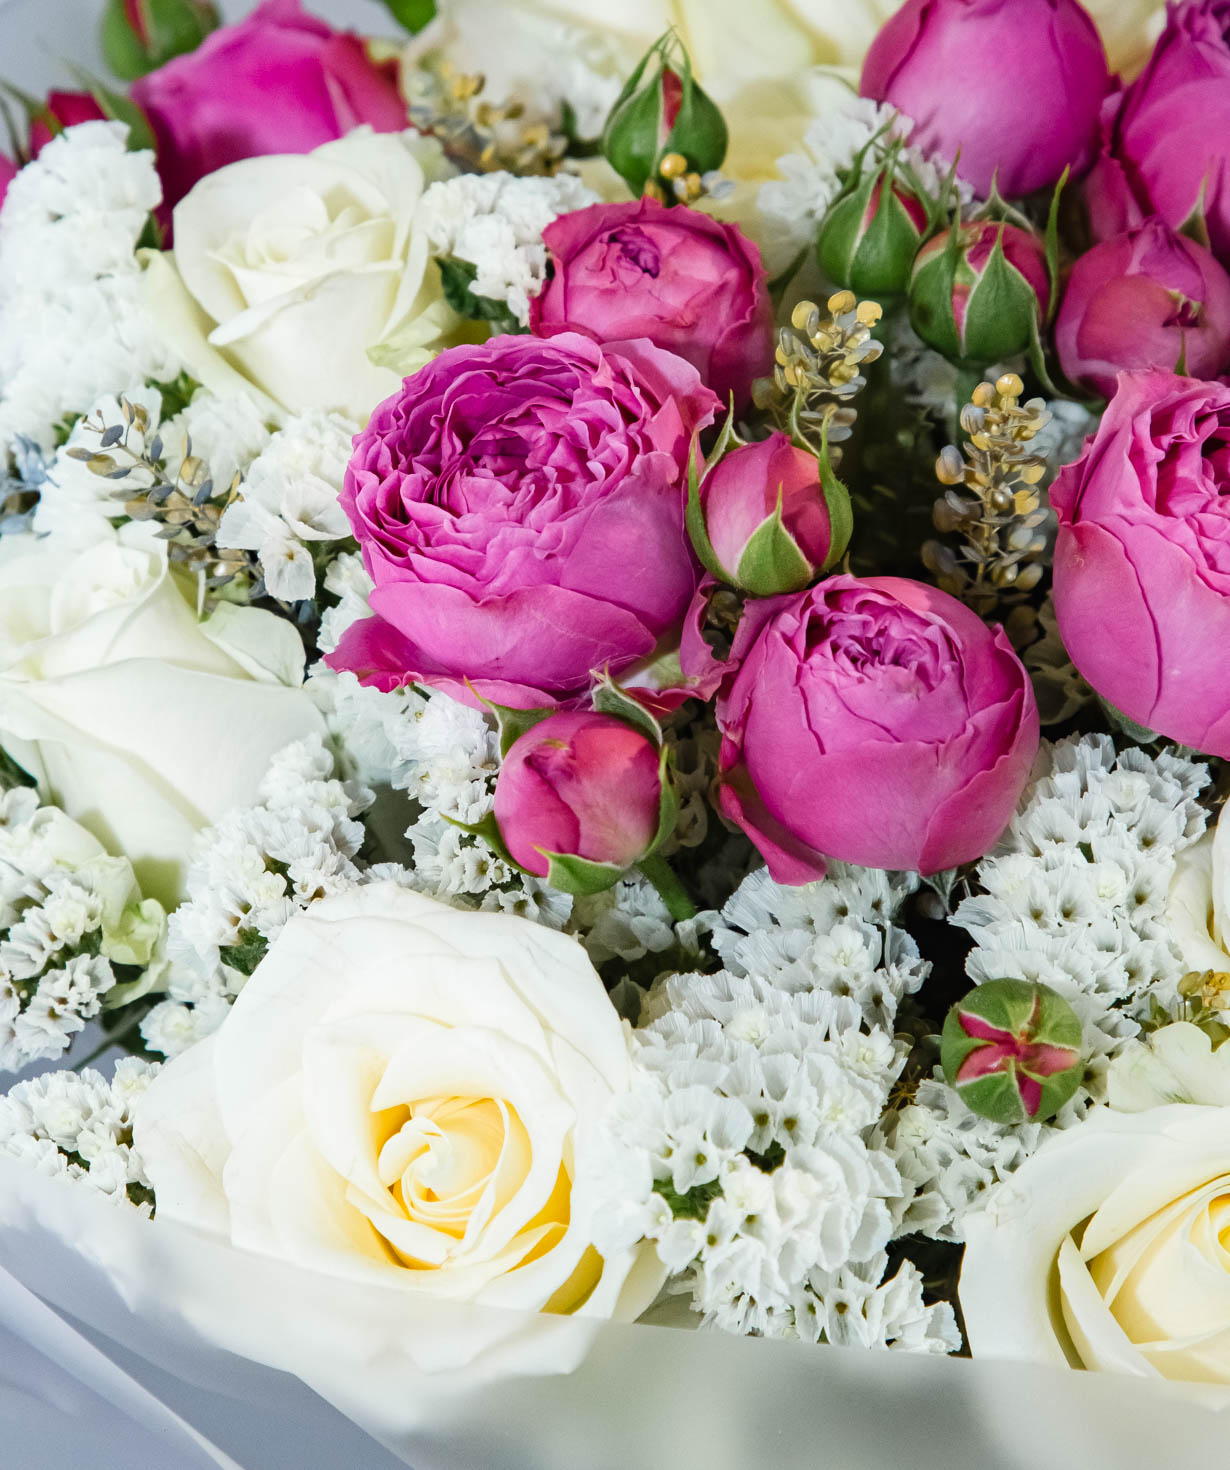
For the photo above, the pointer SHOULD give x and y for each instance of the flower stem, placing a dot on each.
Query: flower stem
(670, 890)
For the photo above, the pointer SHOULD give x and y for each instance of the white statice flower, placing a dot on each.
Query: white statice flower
(1074, 897)
(347, 580)
(858, 1306)
(289, 500)
(250, 873)
(73, 320)
(226, 430)
(494, 222)
(79, 1126)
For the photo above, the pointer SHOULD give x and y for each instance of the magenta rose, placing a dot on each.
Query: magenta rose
(521, 509)
(1014, 85)
(579, 785)
(278, 82)
(1147, 299)
(1142, 561)
(687, 282)
(876, 721)
(8, 172)
(1168, 141)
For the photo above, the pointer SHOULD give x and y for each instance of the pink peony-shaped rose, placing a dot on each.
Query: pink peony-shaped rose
(876, 721)
(278, 82)
(1142, 561)
(1014, 85)
(687, 282)
(1146, 299)
(581, 785)
(521, 509)
(1167, 147)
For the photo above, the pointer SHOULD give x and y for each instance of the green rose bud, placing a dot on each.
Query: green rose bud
(138, 36)
(663, 126)
(1012, 1050)
(978, 293)
(872, 232)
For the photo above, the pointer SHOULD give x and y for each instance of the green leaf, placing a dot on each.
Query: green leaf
(415, 15)
(1141, 734)
(837, 502)
(577, 875)
(173, 27)
(610, 699)
(457, 277)
(772, 563)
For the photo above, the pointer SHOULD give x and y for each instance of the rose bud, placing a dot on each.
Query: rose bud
(1012, 1051)
(662, 113)
(1168, 137)
(872, 232)
(941, 63)
(978, 293)
(1142, 558)
(691, 284)
(764, 525)
(876, 721)
(61, 110)
(581, 798)
(1148, 299)
(139, 35)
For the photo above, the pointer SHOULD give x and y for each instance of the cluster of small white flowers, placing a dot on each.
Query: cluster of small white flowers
(79, 1126)
(290, 497)
(1073, 897)
(494, 222)
(747, 1147)
(251, 872)
(73, 319)
(794, 205)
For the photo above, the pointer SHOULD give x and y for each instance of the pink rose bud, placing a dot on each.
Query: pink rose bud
(61, 110)
(1142, 558)
(872, 232)
(876, 721)
(765, 518)
(1012, 86)
(661, 111)
(1012, 1049)
(278, 82)
(978, 292)
(1168, 140)
(584, 786)
(689, 283)
(1148, 299)
(139, 35)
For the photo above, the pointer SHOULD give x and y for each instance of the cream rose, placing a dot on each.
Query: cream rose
(403, 1095)
(1198, 906)
(302, 278)
(1107, 1250)
(142, 722)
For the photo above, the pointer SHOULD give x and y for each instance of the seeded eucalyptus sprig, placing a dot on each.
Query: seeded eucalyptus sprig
(478, 135)
(187, 506)
(992, 500)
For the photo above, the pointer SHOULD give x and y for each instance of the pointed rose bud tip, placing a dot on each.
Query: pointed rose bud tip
(1012, 1050)
(872, 232)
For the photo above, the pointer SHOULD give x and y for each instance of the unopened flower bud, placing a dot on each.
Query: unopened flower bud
(1012, 1050)
(872, 232)
(978, 293)
(138, 36)
(765, 518)
(663, 126)
(580, 798)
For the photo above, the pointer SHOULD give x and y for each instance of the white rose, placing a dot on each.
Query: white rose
(303, 278)
(403, 1095)
(1106, 1249)
(142, 722)
(1198, 906)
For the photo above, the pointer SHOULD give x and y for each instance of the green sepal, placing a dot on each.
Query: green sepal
(694, 515)
(930, 299)
(994, 326)
(609, 699)
(1196, 225)
(119, 109)
(414, 15)
(668, 810)
(175, 27)
(514, 723)
(837, 503)
(1052, 244)
(578, 876)
(489, 830)
(1141, 734)
(771, 563)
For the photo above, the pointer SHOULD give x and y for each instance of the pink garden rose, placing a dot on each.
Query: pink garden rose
(1014, 85)
(876, 721)
(582, 785)
(1167, 148)
(687, 282)
(521, 508)
(1142, 562)
(278, 82)
(1146, 299)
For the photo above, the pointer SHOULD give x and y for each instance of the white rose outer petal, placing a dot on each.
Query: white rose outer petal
(387, 1044)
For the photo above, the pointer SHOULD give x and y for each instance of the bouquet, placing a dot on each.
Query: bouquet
(614, 691)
